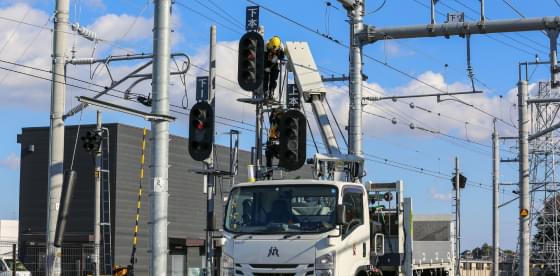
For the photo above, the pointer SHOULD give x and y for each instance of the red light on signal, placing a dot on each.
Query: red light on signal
(199, 125)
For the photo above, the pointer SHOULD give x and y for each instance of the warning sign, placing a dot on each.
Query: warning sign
(524, 212)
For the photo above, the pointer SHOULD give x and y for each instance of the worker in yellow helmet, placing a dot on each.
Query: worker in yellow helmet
(273, 55)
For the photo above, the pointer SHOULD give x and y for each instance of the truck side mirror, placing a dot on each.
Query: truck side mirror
(379, 244)
(341, 214)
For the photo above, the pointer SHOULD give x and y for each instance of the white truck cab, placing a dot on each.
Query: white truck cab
(297, 227)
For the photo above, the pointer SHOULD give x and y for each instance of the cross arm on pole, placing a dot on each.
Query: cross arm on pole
(372, 34)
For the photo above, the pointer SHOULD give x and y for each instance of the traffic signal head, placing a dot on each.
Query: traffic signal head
(92, 141)
(292, 148)
(201, 131)
(462, 181)
(250, 68)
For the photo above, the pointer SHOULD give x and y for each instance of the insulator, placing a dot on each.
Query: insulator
(86, 33)
(81, 60)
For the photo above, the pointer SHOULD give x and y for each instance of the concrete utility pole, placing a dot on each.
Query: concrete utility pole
(355, 119)
(56, 139)
(97, 199)
(160, 140)
(496, 202)
(524, 202)
(457, 219)
(211, 177)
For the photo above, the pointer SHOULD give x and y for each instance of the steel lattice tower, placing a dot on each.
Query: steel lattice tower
(543, 151)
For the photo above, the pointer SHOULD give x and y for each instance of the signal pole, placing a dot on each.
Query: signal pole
(457, 219)
(97, 199)
(56, 141)
(160, 137)
(211, 177)
(496, 202)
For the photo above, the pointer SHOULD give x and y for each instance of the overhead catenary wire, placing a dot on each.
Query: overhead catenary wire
(419, 107)
(14, 31)
(373, 158)
(101, 40)
(377, 61)
(186, 7)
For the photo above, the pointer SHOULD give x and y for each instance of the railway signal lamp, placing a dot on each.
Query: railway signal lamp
(292, 148)
(462, 181)
(250, 68)
(92, 141)
(201, 131)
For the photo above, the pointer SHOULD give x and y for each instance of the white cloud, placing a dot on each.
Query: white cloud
(95, 4)
(436, 195)
(32, 46)
(115, 27)
(10, 162)
(448, 116)
(25, 91)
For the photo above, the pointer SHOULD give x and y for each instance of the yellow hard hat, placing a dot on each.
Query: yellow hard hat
(274, 43)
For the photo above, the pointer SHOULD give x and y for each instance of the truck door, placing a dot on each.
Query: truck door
(4, 269)
(353, 251)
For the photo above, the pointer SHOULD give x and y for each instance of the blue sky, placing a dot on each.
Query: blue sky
(125, 27)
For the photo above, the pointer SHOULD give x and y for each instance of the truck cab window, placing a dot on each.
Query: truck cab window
(353, 200)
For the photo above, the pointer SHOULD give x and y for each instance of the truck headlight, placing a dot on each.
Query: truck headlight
(227, 265)
(324, 265)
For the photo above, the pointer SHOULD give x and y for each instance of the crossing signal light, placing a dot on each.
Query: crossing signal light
(462, 181)
(201, 131)
(250, 67)
(92, 141)
(292, 148)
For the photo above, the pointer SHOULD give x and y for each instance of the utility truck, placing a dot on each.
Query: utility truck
(316, 227)
(333, 224)
(330, 225)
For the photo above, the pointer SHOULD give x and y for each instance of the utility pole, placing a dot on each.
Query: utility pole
(524, 202)
(56, 139)
(211, 177)
(160, 139)
(457, 219)
(97, 199)
(495, 202)
(356, 43)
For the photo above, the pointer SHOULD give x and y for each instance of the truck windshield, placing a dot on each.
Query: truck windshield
(19, 265)
(281, 209)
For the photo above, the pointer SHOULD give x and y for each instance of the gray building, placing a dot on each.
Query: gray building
(187, 203)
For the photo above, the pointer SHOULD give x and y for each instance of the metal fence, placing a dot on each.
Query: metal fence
(76, 260)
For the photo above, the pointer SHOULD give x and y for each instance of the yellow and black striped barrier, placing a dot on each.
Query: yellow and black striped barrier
(139, 200)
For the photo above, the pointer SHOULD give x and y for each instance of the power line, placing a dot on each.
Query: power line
(419, 107)
(101, 40)
(11, 36)
(213, 3)
(372, 158)
(513, 8)
(234, 22)
(378, 61)
(424, 109)
(206, 17)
